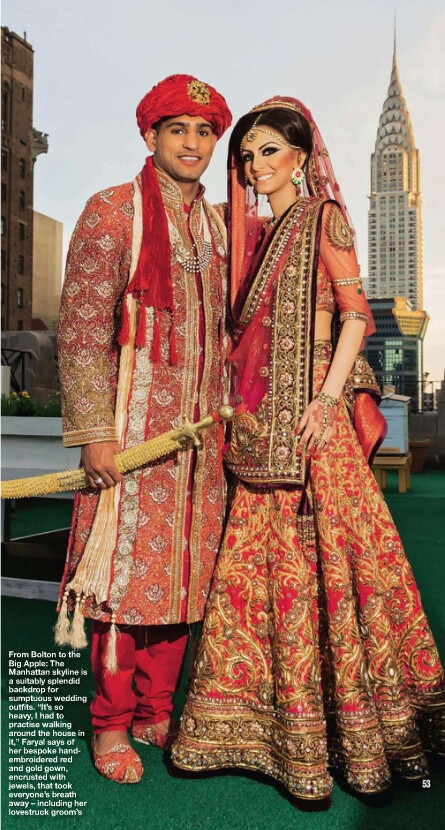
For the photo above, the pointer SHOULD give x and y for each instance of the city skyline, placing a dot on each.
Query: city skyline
(98, 65)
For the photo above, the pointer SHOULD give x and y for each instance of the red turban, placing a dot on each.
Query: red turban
(183, 95)
(151, 283)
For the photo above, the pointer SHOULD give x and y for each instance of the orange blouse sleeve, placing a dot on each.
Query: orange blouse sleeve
(337, 255)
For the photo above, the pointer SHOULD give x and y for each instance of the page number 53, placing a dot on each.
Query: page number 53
(426, 783)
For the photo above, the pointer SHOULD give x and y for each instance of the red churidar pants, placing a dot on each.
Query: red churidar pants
(150, 660)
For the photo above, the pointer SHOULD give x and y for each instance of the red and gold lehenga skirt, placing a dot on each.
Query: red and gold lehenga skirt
(315, 649)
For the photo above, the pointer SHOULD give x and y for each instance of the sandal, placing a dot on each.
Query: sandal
(121, 764)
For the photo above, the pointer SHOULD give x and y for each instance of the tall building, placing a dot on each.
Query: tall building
(21, 145)
(395, 268)
(47, 271)
(394, 218)
(395, 351)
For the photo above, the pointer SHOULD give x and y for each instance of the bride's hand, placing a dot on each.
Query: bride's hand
(317, 426)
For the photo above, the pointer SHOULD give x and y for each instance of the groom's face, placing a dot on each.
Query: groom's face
(182, 147)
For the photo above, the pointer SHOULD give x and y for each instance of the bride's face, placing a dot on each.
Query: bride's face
(268, 163)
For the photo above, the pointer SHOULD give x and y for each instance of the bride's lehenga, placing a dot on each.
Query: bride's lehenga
(315, 650)
(315, 647)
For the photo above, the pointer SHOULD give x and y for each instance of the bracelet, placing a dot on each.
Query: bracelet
(327, 401)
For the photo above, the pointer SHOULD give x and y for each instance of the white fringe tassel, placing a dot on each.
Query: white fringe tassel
(62, 632)
(78, 636)
(111, 663)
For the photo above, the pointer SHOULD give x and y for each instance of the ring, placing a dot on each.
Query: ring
(98, 480)
(316, 441)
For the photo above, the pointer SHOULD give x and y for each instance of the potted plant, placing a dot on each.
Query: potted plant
(23, 405)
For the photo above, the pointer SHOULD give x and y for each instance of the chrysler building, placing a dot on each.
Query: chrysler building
(394, 218)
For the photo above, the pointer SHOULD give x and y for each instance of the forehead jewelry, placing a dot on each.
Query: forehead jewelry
(254, 129)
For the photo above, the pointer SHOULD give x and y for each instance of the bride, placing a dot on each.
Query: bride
(315, 649)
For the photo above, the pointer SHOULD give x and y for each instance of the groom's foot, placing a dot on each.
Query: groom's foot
(115, 759)
(105, 741)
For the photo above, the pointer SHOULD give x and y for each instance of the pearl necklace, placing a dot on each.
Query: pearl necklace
(193, 262)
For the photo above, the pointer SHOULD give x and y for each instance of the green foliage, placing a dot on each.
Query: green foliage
(22, 404)
(52, 407)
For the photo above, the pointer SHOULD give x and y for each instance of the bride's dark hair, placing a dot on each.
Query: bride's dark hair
(293, 126)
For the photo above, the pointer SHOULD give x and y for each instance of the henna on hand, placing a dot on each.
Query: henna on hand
(318, 424)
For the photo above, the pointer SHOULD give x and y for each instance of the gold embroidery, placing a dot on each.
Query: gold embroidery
(129, 503)
(363, 377)
(249, 434)
(322, 351)
(149, 564)
(315, 648)
(267, 270)
(89, 436)
(222, 734)
(318, 183)
(263, 446)
(239, 736)
(202, 453)
(290, 352)
(92, 285)
(189, 385)
(338, 231)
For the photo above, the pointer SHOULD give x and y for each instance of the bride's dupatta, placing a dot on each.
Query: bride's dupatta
(272, 361)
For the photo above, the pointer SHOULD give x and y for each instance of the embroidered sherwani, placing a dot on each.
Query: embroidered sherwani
(169, 515)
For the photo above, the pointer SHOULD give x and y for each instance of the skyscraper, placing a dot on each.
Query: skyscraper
(394, 218)
(21, 144)
(395, 273)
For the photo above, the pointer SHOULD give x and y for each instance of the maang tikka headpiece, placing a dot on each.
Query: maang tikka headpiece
(254, 129)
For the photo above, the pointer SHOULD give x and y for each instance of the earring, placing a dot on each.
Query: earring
(298, 178)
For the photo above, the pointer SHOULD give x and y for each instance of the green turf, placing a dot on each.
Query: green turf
(28, 567)
(232, 801)
(32, 516)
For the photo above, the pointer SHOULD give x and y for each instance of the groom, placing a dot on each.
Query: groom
(140, 345)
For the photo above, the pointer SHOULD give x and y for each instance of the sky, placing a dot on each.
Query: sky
(95, 59)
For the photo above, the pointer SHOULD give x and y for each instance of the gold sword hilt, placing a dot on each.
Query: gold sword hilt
(190, 432)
